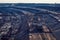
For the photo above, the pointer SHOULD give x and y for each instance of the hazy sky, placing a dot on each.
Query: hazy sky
(29, 1)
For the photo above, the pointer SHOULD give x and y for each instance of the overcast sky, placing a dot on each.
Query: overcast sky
(29, 1)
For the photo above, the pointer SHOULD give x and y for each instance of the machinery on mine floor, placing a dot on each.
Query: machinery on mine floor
(39, 30)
